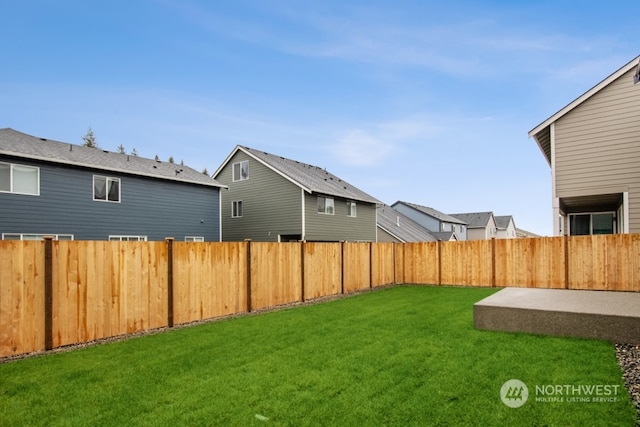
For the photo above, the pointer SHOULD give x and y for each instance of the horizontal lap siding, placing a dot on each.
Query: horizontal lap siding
(272, 205)
(149, 207)
(339, 226)
(597, 145)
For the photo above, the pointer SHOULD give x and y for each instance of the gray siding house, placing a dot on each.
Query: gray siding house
(270, 198)
(75, 192)
(480, 225)
(447, 226)
(593, 148)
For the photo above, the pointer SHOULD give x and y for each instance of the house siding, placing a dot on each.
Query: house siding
(597, 146)
(337, 227)
(428, 222)
(272, 205)
(148, 207)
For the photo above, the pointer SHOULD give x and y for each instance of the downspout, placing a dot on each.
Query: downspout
(304, 215)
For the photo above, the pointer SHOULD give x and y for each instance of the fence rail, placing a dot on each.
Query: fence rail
(56, 293)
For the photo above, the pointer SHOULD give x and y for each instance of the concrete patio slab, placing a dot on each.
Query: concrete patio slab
(612, 316)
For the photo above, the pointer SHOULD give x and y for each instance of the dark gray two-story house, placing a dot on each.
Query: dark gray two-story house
(270, 198)
(75, 192)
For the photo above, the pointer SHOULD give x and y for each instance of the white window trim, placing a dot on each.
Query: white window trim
(194, 238)
(239, 165)
(352, 209)
(333, 206)
(107, 179)
(127, 238)
(11, 191)
(233, 210)
(37, 236)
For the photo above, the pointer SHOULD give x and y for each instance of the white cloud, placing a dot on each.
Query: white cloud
(359, 148)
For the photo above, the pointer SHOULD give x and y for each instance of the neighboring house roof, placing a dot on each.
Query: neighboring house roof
(502, 221)
(475, 219)
(542, 133)
(442, 217)
(18, 144)
(312, 179)
(445, 236)
(524, 233)
(402, 227)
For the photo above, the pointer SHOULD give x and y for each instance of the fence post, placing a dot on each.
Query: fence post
(439, 254)
(493, 262)
(342, 267)
(48, 292)
(370, 265)
(248, 242)
(302, 250)
(566, 261)
(169, 241)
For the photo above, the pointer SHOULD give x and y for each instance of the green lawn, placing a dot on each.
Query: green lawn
(405, 355)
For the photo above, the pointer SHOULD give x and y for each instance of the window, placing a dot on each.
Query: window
(325, 205)
(194, 239)
(128, 238)
(236, 209)
(592, 223)
(241, 170)
(19, 179)
(351, 209)
(27, 236)
(106, 189)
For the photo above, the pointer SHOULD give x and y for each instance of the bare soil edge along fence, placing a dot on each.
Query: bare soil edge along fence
(58, 293)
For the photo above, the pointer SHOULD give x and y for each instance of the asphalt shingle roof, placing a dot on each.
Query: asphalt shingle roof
(401, 226)
(18, 144)
(312, 178)
(433, 213)
(474, 219)
(502, 221)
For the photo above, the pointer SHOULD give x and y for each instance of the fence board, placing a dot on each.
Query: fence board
(383, 264)
(356, 266)
(276, 274)
(532, 263)
(467, 263)
(209, 280)
(21, 297)
(322, 269)
(420, 263)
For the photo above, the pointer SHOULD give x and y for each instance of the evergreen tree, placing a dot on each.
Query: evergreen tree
(121, 149)
(170, 159)
(134, 152)
(205, 172)
(90, 139)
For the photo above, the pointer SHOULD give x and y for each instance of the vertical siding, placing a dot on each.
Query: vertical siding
(272, 204)
(151, 207)
(598, 145)
(339, 226)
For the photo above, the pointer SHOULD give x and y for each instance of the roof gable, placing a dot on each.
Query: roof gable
(440, 216)
(541, 132)
(21, 145)
(502, 221)
(312, 179)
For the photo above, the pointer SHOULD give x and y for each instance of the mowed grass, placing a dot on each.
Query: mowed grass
(405, 355)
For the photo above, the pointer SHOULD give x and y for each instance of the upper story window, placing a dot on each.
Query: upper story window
(19, 179)
(351, 208)
(325, 205)
(236, 209)
(106, 189)
(241, 170)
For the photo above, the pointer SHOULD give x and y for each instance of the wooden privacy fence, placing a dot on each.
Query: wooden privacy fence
(56, 293)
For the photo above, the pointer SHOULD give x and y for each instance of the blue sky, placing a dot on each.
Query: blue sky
(421, 101)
